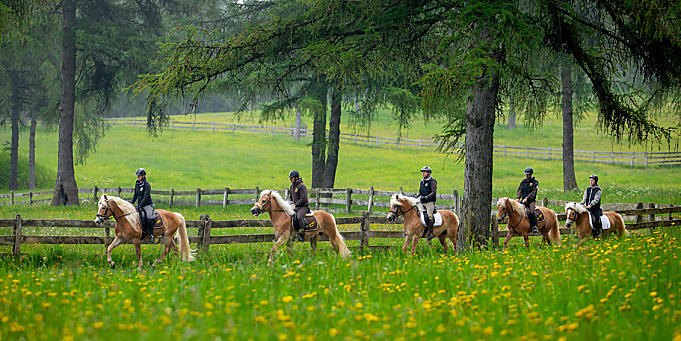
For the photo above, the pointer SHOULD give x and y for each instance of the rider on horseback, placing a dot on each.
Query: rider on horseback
(427, 197)
(145, 207)
(297, 193)
(527, 194)
(592, 201)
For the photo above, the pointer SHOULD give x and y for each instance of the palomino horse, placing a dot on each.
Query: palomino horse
(280, 214)
(577, 214)
(128, 229)
(413, 228)
(519, 225)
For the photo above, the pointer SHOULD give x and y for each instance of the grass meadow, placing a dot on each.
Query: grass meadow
(613, 289)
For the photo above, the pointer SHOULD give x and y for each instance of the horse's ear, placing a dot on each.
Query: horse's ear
(104, 196)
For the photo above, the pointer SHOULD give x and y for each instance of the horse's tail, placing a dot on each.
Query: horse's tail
(186, 252)
(624, 231)
(343, 250)
(554, 233)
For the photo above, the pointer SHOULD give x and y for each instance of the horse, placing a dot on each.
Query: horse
(519, 225)
(128, 229)
(413, 228)
(280, 213)
(577, 214)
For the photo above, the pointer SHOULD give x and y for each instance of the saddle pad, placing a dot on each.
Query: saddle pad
(605, 222)
(158, 221)
(539, 214)
(436, 215)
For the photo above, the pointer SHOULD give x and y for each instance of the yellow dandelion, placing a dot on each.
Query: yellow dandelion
(287, 299)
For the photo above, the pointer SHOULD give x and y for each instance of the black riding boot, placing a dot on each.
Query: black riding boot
(429, 227)
(532, 217)
(300, 229)
(596, 231)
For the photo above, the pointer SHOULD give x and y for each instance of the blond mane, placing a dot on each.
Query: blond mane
(578, 207)
(280, 201)
(517, 207)
(395, 199)
(126, 207)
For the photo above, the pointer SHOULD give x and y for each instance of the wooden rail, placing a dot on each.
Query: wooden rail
(205, 225)
(628, 158)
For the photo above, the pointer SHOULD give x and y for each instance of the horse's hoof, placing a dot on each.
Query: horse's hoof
(112, 265)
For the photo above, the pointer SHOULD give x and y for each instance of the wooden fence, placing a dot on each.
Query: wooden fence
(628, 158)
(205, 225)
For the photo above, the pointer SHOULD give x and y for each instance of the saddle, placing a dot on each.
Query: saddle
(310, 222)
(156, 218)
(539, 214)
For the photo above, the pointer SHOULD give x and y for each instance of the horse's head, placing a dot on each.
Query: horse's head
(397, 203)
(502, 208)
(264, 204)
(104, 211)
(571, 213)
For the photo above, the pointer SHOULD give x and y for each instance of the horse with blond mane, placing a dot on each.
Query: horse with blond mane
(129, 229)
(413, 227)
(577, 214)
(519, 225)
(280, 213)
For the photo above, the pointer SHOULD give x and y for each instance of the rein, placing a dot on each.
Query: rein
(107, 217)
(403, 213)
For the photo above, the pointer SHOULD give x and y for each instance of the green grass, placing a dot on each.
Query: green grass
(614, 289)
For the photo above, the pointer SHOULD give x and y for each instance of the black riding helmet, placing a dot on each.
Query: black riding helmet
(529, 170)
(426, 169)
(595, 177)
(140, 171)
(294, 174)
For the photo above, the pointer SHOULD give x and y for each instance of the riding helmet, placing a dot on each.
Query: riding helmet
(595, 177)
(294, 174)
(426, 169)
(140, 171)
(529, 170)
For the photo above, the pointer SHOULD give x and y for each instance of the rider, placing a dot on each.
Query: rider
(592, 201)
(145, 207)
(297, 193)
(427, 197)
(527, 194)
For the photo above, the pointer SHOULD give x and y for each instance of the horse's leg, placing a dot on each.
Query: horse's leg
(443, 241)
(407, 238)
(164, 253)
(313, 243)
(173, 247)
(279, 242)
(138, 250)
(414, 242)
(114, 243)
(508, 237)
(527, 240)
(289, 247)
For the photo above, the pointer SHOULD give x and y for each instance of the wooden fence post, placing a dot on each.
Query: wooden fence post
(651, 217)
(119, 191)
(645, 161)
(348, 200)
(202, 230)
(370, 205)
(364, 228)
(198, 197)
(107, 234)
(95, 193)
(257, 193)
(544, 201)
(206, 232)
(670, 213)
(30, 198)
(11, 198)
(639, 218)
(456, 202)
(225, 198)
(317, 197)
(495, 230)
(16, 249)
(172, 197)
(401, 190)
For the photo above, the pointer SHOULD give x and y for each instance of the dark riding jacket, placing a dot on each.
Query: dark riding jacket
(142, 193)
(428, 189)
(528, 190)
(592, 196)
(298, 194)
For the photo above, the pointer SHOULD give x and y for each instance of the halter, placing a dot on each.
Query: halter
(269, 202)
(403, 213)
(107, 216)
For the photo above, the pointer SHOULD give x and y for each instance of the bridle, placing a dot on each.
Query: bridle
(107, 216)
(397, 213)
(269, 202)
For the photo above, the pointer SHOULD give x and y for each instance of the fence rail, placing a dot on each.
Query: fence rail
(204, 239)
(628, 158)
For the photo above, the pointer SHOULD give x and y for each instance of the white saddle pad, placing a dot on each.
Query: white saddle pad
(605, 222)
(436, 215)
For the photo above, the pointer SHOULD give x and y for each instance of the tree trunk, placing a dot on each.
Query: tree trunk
(478, 165)
(66, 189)
(334, 138)
(31, 154)
(14, 145)
(296, 133)
(319, 135)
(511, 114)
(569, 181)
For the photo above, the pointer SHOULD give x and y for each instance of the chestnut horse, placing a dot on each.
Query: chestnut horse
(519, 225)
(577, 214)
(128, 229)
(413, 228)
(280, 214)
